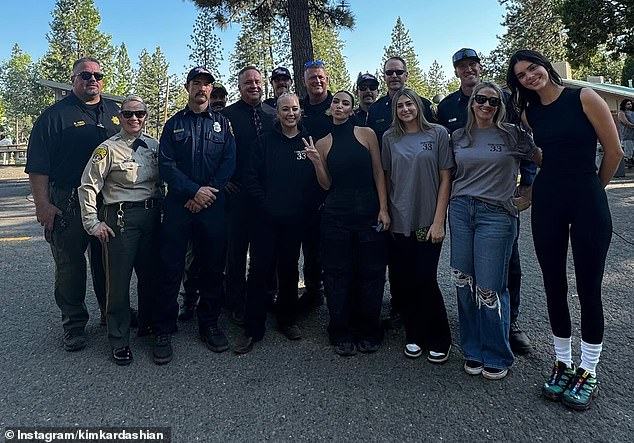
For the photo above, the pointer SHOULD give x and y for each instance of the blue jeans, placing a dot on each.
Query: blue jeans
(482, 237)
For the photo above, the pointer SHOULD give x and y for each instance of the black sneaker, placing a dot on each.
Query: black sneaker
(162, 352)
(438, 357)
(520, 343)
(122, 356)
(580, 391)
(472, 367)
(560, 377)
(214, 338)
(74, 339)
(244, 346)
(292, 332)
(346, 349)
(367, 346)
(494, 373)
(186, 312)
(412, 350)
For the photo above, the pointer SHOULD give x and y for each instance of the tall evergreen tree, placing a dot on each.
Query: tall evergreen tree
(533, 24)
(205, 47)
(74, 34)
(628, 70)
(152, 85)
(123, 76)
(295, 13)
(436, 80)
(328, 47)
(401, 45)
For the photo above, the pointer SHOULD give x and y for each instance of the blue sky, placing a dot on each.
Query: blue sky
(437, 28)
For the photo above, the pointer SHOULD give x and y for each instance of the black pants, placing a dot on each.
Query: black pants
(274, 248)
(69, 242)
(192, 274)
(514, 281)
(572, 207)
(134, 247)
(237, 246)
(311, 250)
(350, 245)
(415, 269)
(206, 228)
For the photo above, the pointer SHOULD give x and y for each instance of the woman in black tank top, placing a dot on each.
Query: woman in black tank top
(354, 221)
(569, 202)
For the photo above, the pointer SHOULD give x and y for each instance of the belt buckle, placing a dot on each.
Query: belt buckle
(148, 204)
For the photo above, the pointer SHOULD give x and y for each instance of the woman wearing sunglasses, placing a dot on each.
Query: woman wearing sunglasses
(418, 163)
(124, 169)
(569, 205)
(482, 222)
(353, 244)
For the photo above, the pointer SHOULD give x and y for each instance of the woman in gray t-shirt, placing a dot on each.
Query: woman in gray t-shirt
(418, 162)
(483, 226)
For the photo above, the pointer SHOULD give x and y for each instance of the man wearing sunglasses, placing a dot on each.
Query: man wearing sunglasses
(452, 114)
(367, 92)
(61, 144)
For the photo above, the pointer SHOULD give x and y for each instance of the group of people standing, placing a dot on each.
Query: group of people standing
(357, 190)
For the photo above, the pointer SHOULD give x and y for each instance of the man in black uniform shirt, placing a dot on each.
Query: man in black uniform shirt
(61, 143)
(281, 82)
(248, 121)
(367, 92)
(380, 113)
(196, 159)
(452, 114)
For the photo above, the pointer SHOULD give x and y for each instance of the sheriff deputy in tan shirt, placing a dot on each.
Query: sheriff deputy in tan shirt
(125, 170)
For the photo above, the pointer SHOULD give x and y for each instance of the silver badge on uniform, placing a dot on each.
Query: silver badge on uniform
(216, 127)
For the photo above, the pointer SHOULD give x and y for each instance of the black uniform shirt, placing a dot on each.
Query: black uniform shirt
(66, 134)
(240, 114)
(380, 115)
(196, 150)
(315, 118)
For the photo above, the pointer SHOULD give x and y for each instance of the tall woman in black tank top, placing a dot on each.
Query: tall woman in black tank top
(354, 221)
(569, 202)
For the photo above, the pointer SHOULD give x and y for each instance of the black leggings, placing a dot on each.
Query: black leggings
(575, 207)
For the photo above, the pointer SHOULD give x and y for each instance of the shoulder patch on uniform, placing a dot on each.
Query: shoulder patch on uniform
(115, 120)
(79, 123)
(99, 154)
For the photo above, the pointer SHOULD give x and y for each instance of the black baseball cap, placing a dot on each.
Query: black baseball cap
(463, 54)
(367, 78)
(219, 87)
(199, 70)
(280, 72)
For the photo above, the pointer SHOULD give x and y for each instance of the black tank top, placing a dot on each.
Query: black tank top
(349, 162)
(565, 135)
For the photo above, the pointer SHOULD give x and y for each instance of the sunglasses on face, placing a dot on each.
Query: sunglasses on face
(138, 114)
(482, 99)
(87, 75)
(465, 53)
(314, 63)
(368, 88)
(391, 72)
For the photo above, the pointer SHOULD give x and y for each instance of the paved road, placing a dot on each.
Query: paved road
(300, 391)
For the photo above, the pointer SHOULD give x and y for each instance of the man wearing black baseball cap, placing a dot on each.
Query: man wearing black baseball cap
(281, 82)
(452, 114)
(367, 92)
(202, 71)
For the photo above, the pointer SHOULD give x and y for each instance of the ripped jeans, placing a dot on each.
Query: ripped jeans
(482, 237)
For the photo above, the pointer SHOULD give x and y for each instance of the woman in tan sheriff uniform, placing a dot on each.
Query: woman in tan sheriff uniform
(124, 169)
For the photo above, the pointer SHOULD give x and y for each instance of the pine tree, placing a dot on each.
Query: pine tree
(533, 24)
(402, 46)
(152, 86)
(73, 35)
(437, 81)
(328, 48)
(206, 47)
(123, 76)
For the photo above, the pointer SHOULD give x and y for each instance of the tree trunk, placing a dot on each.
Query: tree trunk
(301, 41)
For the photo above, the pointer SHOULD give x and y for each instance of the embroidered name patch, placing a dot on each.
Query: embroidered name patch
(79, 123)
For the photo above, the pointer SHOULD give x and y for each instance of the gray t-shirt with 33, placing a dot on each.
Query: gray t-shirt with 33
(413, 163)
(487, 167)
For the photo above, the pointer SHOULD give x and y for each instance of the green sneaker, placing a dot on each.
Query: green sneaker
(559, 380)
(580, 392)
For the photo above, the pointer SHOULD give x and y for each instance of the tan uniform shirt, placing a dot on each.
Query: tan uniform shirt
(120, 173)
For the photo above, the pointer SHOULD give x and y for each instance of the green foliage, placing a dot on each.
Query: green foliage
(123, 76)
(206, 47)
(328, 48)
(401, 45)
(436, 80)
(530, 24)
(73, 35)
(628, 70)
(593, 23)
(602, 63)
(152, 86)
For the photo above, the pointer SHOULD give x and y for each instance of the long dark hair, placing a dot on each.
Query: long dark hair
(522, 97)
(624, 102)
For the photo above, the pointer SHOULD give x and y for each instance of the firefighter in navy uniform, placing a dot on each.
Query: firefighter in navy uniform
(61, 144)
(197, 155)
